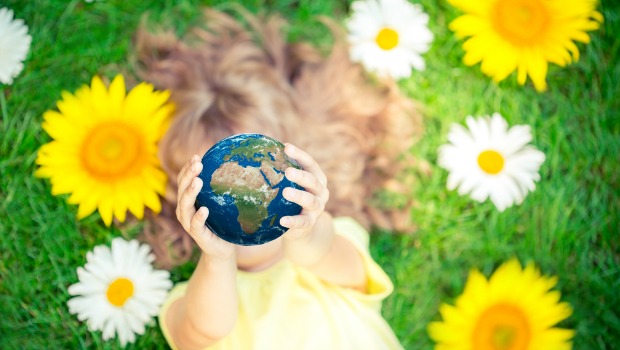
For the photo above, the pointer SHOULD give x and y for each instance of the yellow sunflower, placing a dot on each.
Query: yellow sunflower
(513, 310)
(104, 148)
(524, 35)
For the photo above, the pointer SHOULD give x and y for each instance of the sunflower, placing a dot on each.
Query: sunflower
(388, 36)
(490, 160)
(104, 151)
(513, 310)
(524, 35)
(118, 291)
(14, 45)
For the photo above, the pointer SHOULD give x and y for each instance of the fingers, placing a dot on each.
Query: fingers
(189, 186)
(306, 161)
(189, 171)
(297, 222)
(312, 178)
(197, 223)
(312, 208)
(306, 180)
(306, 200)
(185, 206)
(312, 200)
(184, 169)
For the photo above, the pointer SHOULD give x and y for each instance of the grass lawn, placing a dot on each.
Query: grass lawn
(569, 226)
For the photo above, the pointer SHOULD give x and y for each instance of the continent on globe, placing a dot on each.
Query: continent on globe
(246, 172)
(251, 189)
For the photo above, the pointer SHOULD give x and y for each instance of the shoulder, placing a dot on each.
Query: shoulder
(352, 230)
(379, 284)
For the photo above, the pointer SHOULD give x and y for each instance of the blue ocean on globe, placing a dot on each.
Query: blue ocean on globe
(243, 178)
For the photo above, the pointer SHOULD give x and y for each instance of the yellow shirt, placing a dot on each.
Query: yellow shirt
(287, 307)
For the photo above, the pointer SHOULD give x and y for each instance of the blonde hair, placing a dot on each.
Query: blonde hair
(226, 76)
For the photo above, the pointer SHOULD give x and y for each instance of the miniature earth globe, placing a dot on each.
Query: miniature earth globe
(243, 178)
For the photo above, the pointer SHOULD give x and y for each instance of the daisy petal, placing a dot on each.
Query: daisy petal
(118, 291)
(388, 36)
(490, 160)
(14, 46)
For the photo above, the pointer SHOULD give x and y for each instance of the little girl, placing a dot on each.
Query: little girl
(315, 287)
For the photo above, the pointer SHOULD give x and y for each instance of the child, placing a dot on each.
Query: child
(316, 287)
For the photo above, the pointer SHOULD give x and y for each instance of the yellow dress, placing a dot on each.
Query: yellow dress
(289, 308)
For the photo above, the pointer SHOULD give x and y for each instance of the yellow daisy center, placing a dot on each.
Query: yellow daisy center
(119, 291)
(387, 39)
(522, 22)
(113, 150)
(491, 162)
(501, 327)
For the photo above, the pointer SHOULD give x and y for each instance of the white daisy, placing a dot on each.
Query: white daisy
(119, 291)
(14, 45)
(388, 36)
(491, 160)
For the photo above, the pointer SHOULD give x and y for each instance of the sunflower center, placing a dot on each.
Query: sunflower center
(522, 22)
(119, 291)
(501, 327)
(491, 162)
(387, 39)
(113, 150)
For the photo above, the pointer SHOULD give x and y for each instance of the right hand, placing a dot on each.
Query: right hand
(189, 185)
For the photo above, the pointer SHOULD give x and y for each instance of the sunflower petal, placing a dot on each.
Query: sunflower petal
(503, 41)
(515, 300)
(103, 139)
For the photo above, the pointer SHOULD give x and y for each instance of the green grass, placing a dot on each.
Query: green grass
(569, 226)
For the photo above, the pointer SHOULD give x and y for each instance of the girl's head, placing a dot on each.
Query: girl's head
(228, 78)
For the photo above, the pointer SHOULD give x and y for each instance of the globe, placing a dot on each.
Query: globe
(243, 178)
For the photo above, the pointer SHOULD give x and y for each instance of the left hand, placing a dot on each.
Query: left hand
(312, 200)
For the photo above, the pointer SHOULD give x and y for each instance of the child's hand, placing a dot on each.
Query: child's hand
(312, 200)
(193, 221)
